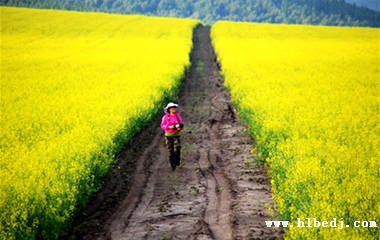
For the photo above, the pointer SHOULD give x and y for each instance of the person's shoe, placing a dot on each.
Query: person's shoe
(173, 167)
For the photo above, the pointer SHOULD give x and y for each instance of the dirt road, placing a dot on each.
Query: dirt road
(218, 192)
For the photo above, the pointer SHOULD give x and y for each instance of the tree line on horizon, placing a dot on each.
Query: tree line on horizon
(311, 12)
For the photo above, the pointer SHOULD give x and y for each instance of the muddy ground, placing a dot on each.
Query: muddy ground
(218, 192)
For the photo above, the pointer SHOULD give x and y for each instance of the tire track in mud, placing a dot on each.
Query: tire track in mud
(218, 191)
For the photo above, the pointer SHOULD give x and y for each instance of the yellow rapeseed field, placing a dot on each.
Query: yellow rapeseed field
(74, 87)
(310, 95)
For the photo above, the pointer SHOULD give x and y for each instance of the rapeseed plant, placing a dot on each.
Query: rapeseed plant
(310, 97)
(74, 88)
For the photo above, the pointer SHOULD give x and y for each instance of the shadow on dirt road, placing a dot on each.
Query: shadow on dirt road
(218, 192)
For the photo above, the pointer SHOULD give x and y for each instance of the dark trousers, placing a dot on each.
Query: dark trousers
(174, 147)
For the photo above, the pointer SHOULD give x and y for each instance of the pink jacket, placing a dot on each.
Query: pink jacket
(169, 120)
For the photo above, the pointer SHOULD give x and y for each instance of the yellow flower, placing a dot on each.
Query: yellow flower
(310, 95)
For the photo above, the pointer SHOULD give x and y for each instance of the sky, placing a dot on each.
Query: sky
(372, 4)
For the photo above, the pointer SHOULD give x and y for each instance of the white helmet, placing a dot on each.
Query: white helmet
(170, 105)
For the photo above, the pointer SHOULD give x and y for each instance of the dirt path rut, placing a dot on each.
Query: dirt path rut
(218, 192)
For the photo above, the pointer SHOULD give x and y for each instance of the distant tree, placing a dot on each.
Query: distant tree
(284, 8)
(325, 12)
